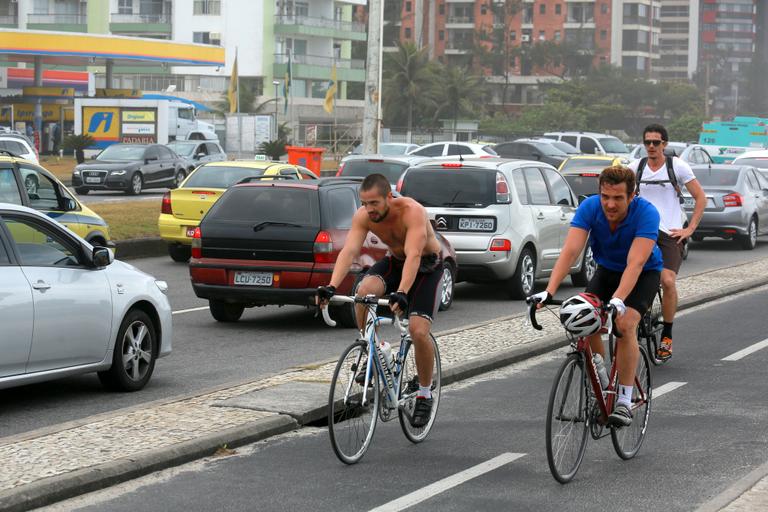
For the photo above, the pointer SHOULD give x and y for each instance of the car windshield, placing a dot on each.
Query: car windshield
(716, 178)
(583, 185)
(290, 206)
(759, 162)
(489, 150)
(219, 176)
(586, 164)
(471, 188)
(613, 145)
(565, 147)
(362, 168)
(182, 148)
(548, 149)
(122, 152)
(393, 149)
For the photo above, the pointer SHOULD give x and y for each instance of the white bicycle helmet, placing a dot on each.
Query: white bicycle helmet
(580, 314)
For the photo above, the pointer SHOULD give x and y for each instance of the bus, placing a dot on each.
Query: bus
(727, 139)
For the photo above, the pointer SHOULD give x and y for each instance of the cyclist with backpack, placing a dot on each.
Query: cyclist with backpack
(659, 178)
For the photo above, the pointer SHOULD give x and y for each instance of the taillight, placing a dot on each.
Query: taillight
(453, 164)
(589, 174)
(165, 206)
(323, 248)
(197, 243)
(502, 189)
(341, 168)
(732, 199)
(501, 244)
(399, 185)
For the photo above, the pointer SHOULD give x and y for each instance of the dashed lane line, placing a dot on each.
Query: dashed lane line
(666, 388)
(443, 485)
(190, 310)
(745, 352)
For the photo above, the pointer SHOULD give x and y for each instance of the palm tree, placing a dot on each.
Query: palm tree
(458, 92)
(409, 77)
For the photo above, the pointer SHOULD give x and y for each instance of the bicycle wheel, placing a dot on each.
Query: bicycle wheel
(652, 325)
(567, 424)
(350, 422)
(409, 387)
(627, 440)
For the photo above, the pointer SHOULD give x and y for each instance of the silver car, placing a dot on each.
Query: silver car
(506, 219)
(68, 308)
(737, 203)
(390, 166)
(196, 152)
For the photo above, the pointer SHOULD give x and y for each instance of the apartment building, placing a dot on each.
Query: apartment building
(678, 41)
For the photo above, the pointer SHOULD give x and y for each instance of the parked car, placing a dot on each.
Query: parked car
(73, 309)
(672, 149)
(390, 166)
(591, 143)
(757, 159)
(452, 150)
(275, 243)
(737, 203)
(692, 154)
(388, 148)
(18, 145)
(562, 146)
(590, 163)
(531, 150)
(181, 209)
(506, 219)
(196, 152)
(130, 168)
(25, 183)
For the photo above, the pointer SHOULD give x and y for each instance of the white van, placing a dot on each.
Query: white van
(591, 143)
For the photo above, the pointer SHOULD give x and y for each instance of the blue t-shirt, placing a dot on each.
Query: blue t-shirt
(610, 249)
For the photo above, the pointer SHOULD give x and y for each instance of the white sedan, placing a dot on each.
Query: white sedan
(69, 308)
(453, 150)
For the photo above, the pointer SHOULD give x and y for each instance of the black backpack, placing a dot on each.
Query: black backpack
(670, 172)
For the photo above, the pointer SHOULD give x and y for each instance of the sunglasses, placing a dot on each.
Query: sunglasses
(656, 143)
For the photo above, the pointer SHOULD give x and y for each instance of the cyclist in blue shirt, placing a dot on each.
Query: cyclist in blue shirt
(622, 230)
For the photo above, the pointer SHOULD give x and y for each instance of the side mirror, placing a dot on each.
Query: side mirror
(101, 257)
(70, 205)
(537, 155)
(582, 197)
(93, 157)
(599, 151)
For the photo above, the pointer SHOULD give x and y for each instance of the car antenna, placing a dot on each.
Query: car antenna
(461, 159)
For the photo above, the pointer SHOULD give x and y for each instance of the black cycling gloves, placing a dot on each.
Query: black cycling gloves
(401, 299)
(326, 292)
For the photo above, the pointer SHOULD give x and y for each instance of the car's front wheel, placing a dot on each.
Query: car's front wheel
(225, 311)
(180, 175)
(133, 360)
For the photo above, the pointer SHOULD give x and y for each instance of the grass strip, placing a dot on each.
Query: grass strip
(130, 219)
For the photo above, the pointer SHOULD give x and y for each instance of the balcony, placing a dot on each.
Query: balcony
(320, 27)
(56, 21)
(140, 23)
(9, 21)
(318, 67)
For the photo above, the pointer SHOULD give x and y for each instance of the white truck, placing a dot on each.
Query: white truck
(138, 121)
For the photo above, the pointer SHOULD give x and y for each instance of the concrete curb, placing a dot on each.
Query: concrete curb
(50, 490)
(736, 489)
(140, 248)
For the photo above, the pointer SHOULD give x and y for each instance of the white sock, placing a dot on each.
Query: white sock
(425, 391)
(625, 395)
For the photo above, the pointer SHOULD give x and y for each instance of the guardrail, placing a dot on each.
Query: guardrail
(344, 26)
(68, 19)
(140, 18)
(319, 60)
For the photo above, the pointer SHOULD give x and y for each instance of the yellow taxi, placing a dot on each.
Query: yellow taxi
(24, 182)
(184, 207)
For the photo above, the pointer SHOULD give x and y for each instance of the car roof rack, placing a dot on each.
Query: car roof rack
(248, 179)
(338, 180)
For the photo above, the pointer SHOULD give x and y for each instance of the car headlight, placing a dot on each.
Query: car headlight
(76, 172)
(162, 286)
(117, 173)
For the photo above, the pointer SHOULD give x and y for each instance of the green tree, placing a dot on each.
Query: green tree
(407, 87)
(458, 92)
(686, 127)
(248, 105)
(552, 115)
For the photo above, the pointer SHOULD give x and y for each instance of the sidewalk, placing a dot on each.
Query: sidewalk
(55, 463)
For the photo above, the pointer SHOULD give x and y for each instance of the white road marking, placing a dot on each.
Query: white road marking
(190, 310)
(666, 388)
(745, 352)
(440, 486)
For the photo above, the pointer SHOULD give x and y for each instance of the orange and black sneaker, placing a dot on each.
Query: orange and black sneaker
(664, 351)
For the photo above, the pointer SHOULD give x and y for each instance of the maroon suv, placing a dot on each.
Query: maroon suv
(275, 242)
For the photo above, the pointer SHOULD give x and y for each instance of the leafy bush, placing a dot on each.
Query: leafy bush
(78, 143)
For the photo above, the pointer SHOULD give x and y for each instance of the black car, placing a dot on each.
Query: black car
(130, 168)
(536, 151)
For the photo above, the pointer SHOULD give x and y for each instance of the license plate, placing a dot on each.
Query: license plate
(93, 180)
(190, 232)
(253, 278)
(475, 224)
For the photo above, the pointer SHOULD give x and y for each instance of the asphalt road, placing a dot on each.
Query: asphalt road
(703, 435)
(264, 342)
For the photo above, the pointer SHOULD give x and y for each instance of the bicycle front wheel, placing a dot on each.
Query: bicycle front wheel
(351, 422)
(627, 440)
(567, 425)
(409, 388)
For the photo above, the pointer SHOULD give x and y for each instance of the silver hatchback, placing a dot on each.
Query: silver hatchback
(506, 219)
(737, 203)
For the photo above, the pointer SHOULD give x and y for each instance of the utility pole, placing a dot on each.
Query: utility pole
(372, 112)
(706, 90)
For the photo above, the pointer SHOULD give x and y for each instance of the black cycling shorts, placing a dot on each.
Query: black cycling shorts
(422, 297)
(604, 284)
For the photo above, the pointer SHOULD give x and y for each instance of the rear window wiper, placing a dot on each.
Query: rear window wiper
(262, 225)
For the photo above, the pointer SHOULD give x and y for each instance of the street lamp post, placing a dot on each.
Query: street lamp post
(276, 83)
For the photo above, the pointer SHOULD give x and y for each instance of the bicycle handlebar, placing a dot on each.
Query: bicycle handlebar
(371, 300)
(608, 308)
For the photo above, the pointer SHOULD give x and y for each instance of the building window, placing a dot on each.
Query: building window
(557, 35)
(407, 32)
(213, 38)
(125, 7)
(512, 35)
(543, 9)
(558, 9)
(528, 14)
(207, 7)
(441, 35)
(441, 9)
(542, 35)
(407, 6)
(604, 8)
(603, 35)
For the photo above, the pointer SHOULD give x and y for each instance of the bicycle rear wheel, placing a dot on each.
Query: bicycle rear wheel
(567, 424)
(652, 325)
(409, 387)
(350, 422)
(627, 440)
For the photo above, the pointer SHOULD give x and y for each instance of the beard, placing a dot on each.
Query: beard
(380, 216)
